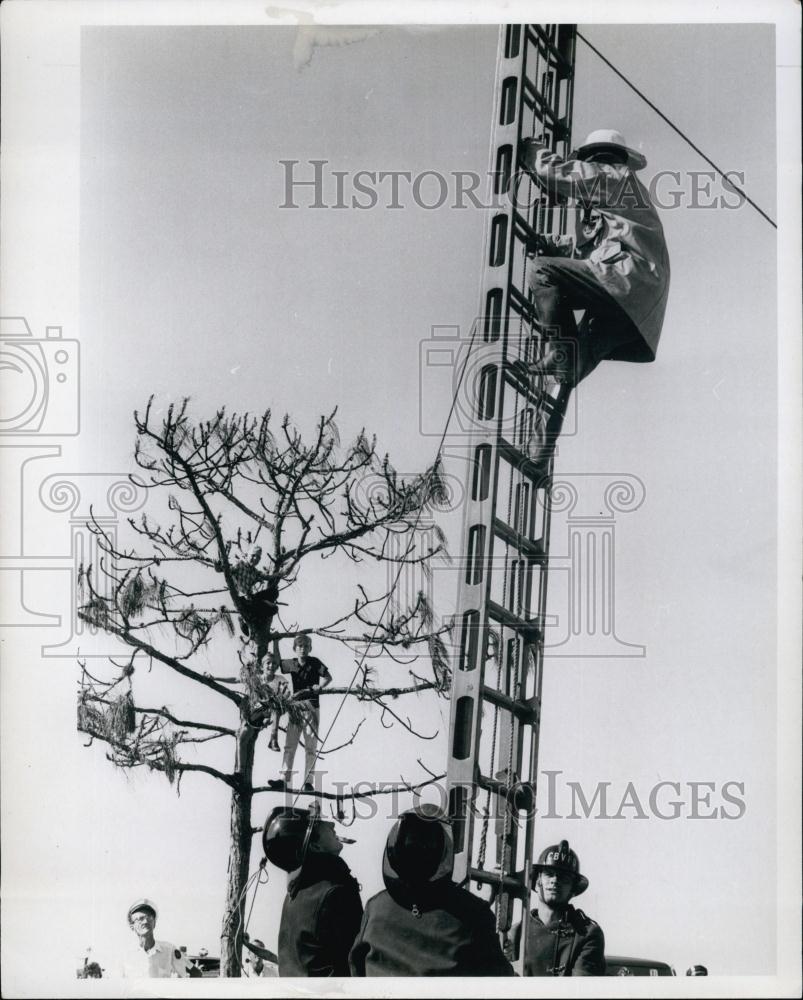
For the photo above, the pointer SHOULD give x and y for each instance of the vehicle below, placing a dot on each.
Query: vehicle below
(624, 965)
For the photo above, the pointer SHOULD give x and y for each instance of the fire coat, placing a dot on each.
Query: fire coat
(619, 233)
(320, 917)
(572, 946)
(432, 928)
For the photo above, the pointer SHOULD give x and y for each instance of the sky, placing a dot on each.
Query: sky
(190, 279)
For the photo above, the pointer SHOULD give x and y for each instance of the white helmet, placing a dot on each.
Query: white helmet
(608, 138)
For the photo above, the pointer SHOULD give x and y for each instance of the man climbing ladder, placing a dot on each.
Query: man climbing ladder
(616, 268)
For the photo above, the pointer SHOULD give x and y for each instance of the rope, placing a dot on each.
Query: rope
(672, 125)
(260, 881)
(487, 816)
(438, 455)
(401, 563)
(246, 887)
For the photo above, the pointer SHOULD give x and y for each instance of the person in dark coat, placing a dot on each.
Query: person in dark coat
(616, 268)
(424, 924)
(322, 909)
(561, 940)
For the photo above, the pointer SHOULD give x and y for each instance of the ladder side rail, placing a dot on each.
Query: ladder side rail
(494, 375)
(567, 43)
(475, 580)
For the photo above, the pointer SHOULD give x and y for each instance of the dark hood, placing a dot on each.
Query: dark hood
(319, 868)
(426, 894)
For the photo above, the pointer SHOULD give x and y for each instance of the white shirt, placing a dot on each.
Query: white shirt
(162, 961)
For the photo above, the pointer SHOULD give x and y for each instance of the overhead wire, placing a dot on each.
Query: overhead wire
(682, 134)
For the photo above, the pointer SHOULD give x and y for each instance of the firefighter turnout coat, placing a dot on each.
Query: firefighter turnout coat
(572, 946)
(430, 929)
(320, 917)
(627, 252)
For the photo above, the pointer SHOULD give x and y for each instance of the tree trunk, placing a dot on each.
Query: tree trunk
(239, 853)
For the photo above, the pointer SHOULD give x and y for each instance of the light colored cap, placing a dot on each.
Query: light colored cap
(607, 137)
(142, 904)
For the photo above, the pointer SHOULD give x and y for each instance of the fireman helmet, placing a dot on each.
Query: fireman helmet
(286, 836)
(561, 858)
(416, 851)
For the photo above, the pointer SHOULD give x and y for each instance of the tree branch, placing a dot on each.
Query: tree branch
(169, 661)
(370, 793)
(163, 713)
(154, 763)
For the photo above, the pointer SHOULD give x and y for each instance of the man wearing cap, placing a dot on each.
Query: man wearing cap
(561, 940)
(616, 268)
(260, 962)
(154, 959)
(322, 910)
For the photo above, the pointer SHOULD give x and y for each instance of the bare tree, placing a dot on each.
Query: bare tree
(241, 509)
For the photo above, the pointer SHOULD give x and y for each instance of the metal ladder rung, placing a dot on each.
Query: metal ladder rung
(537, 102)
(519, 379)
(526, 546)
(492, 785)
(538, 472)
(530, 627)
(541, 40)
(521, 304)
(498, 787)
(522, 226)
(515, 886)
(523, 710)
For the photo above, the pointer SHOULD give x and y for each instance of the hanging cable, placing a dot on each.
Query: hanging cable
(672, 125)
(260, 881)
(486, 230)
(255, 878)
(401, 562)
(487, 810)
